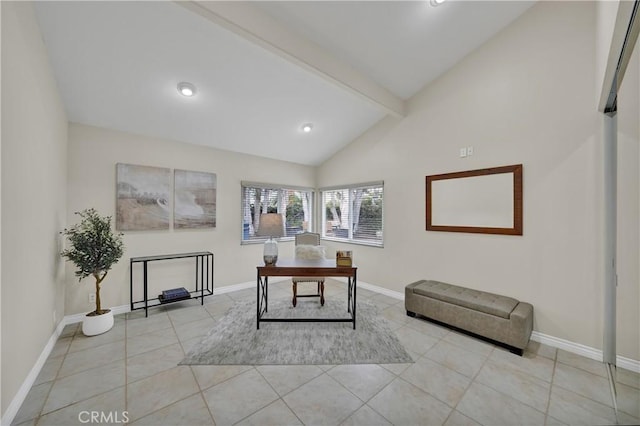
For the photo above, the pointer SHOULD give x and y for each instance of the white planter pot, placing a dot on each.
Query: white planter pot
(98, 324)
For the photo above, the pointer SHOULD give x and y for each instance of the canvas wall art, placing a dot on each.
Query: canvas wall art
(142, 197)
(195, 199)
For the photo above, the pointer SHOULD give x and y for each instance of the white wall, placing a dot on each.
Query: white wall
(628, 290)
(34, 167)
(93, 154)
(607, 33)
(526, 96)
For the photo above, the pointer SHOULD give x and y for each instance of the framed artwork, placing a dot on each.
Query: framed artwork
(194, 200)
(142, 197)
(487, 201)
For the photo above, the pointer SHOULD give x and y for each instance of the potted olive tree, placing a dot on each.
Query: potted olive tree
(94, 248)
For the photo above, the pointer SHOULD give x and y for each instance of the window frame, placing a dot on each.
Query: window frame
(274, 187)
(323, 217)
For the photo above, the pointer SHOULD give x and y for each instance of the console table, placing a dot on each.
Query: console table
(305, 268)
(203, 284)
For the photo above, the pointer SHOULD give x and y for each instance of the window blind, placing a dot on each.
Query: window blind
(354, 213)
(295, 204)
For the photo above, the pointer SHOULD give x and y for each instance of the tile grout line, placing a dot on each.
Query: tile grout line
(397, 376)
(200, 390)
(515, 399)
(204, 401)
(348, 390)
(76, 335)
(471, 382)
(585, 396)
(160, 372)
(36, 419)
(126, 362)
(324, 372)
(57, 376)
(553, 376)
(280, 397)
(193, 374)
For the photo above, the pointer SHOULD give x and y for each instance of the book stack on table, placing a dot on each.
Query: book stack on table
(174, 295)
(344, 258)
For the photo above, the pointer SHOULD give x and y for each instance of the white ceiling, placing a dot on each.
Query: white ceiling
(261, 69)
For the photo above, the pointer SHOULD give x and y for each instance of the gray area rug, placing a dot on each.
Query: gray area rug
(234, 339)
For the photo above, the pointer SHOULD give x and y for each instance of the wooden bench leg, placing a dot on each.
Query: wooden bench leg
(321, 284)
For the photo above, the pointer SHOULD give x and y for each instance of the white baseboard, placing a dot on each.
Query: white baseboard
(374, 288)
(576, 348)
(123, 309)
(18, 399)
(244, 286)
(393, 294)
(12, 410)
(75, 318)
(628, 363)
(235, 287)
(585, 351)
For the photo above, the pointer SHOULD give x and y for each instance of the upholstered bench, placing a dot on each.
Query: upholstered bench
(498, 318)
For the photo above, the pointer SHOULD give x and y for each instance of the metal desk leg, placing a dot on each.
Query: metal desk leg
(131, 284)
(146, 299)
(349, 295)
(258, 301)
(266, 294)
(202, 272)
(354, 300)
(262, 295)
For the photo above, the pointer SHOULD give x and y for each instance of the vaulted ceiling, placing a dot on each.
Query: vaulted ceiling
(261, 69)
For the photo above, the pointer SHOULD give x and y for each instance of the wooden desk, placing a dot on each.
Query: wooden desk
(304, 268)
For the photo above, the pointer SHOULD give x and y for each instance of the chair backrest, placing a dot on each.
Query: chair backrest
(309, 238)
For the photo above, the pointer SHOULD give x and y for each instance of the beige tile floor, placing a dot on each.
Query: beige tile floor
(455, 380)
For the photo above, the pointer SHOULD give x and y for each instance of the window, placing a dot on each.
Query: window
(354, 213)
(296, 204)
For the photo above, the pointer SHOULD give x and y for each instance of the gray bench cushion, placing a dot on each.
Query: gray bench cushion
(488, 303)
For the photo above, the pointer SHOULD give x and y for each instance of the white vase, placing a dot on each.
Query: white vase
(98, 324)
(270, 254)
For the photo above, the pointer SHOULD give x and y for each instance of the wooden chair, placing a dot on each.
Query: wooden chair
(311, 239)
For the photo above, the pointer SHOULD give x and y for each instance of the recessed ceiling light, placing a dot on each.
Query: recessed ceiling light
(435, 3)
(186, 89)
(307, 127)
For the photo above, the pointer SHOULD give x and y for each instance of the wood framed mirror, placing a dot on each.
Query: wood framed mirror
(485, 201)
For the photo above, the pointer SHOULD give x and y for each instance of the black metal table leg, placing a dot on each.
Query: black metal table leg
(146, 299)
(265, 292)
(262, 292)
(354, 299)
(258, 301)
